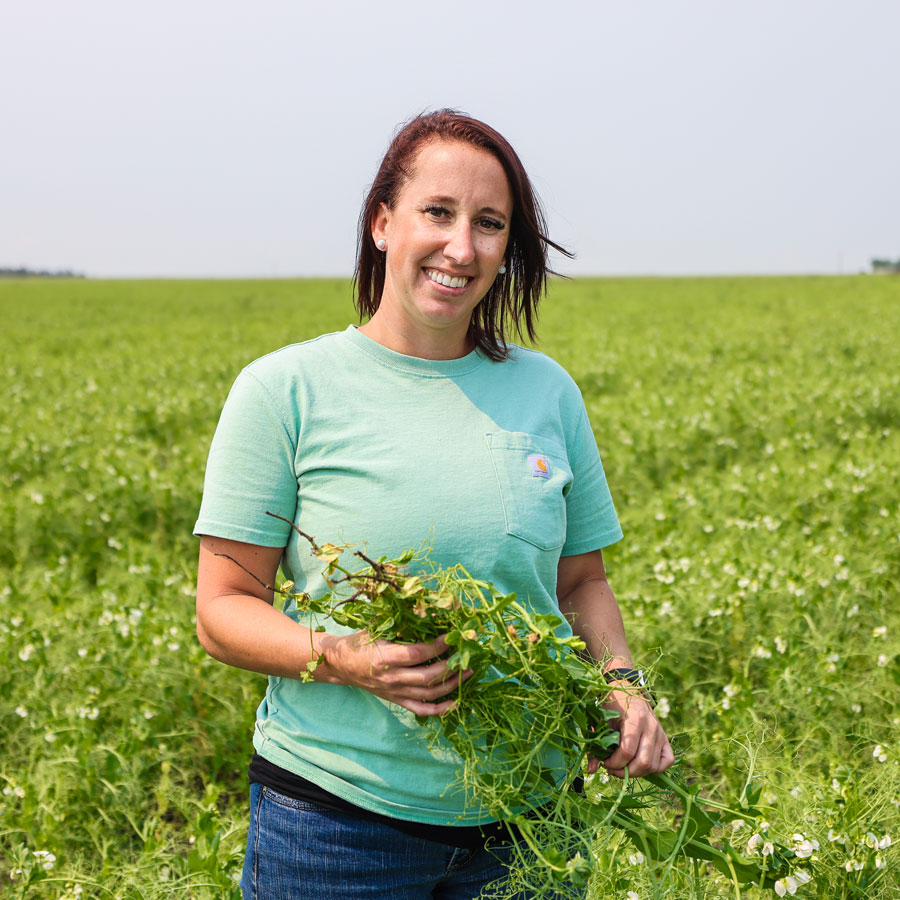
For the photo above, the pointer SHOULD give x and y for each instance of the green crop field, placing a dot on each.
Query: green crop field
(750, 430)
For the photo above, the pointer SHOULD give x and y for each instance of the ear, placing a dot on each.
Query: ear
(380, 223)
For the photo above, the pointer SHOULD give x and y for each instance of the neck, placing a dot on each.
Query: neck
(439, 344)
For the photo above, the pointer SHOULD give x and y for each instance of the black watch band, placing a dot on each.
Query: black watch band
(632, 676)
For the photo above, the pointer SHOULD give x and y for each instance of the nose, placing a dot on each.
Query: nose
(460, 247)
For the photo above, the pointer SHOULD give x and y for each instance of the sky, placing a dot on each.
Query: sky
(664, 137)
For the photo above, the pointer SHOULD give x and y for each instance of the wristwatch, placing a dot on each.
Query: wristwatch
(632, 676)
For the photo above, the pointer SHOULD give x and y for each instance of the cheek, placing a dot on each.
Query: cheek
(490, 246)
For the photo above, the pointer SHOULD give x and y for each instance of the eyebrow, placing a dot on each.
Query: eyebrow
(484, 209)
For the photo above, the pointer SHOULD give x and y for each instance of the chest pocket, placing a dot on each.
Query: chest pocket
(533, 475)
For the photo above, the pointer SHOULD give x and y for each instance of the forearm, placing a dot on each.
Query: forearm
(249, 633)
(237, 624)
(594, 615)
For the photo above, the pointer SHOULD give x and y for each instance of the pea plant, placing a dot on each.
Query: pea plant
(534, 707)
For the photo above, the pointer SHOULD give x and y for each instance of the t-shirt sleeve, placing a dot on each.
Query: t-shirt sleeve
(591, 520)
(250, 470)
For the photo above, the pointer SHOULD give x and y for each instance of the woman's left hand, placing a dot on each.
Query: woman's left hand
(643, 745)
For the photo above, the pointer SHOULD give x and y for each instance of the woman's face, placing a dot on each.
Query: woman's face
(445, 239)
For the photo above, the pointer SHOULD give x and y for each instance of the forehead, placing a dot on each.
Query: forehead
(461, 171)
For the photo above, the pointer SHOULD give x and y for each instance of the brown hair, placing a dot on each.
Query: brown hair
(513, 297)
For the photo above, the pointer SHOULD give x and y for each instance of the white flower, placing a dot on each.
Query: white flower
(768, 849)
(112, 542)
(49, 737)
(636, 859)
(804, 848)
(883, 660)
(885, 842)
(780, 644)
(632, 895)
(662, 708)
(787, 885)
(25, 652)
(801, 876)
(46, 859)
(753, 842)
(21, 712)
(37, 497)
(879, 753)
(880, 631)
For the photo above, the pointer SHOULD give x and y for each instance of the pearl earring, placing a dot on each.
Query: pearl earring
(502, 269)
(381, 244)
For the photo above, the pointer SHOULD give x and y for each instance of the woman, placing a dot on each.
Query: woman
(421, 424)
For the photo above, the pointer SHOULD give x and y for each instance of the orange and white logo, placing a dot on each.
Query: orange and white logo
(540, 465)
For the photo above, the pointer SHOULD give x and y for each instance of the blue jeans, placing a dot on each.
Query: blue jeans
(301, 851)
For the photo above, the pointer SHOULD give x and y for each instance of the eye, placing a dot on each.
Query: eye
(491, 224)
(437, 211)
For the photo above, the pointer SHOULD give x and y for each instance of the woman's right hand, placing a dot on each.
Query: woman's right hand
(410, 675)
(237, 624)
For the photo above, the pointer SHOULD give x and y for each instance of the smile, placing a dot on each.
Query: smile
(451, 281)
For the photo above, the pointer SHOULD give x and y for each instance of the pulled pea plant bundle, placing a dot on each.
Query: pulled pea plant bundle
(533, 708)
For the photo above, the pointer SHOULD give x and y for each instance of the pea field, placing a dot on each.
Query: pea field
(750, 431)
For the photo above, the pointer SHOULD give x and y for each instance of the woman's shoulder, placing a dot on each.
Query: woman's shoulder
(292, 359)
(533, 363)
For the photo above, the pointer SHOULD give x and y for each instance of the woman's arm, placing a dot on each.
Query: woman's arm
(587, 601)
(238, 625)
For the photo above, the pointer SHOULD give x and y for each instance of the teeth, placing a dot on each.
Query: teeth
(454, 281)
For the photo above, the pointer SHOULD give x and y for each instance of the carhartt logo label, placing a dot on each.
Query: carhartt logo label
(540, 465)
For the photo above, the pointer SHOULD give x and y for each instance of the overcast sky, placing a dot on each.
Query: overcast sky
(664, 136)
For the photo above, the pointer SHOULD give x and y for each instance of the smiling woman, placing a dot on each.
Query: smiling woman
(422, 423)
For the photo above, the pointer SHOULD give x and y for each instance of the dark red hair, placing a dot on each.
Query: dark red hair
(513, 298)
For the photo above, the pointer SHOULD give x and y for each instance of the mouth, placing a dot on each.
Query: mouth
(445, 280)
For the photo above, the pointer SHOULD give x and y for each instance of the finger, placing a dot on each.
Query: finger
(433, 675)
(653, 754)
(422, 708)
(667, 757)
(428, 693)
(403, 655)
(624, 753)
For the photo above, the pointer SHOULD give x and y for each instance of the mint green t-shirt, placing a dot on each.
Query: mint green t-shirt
(494, 465)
